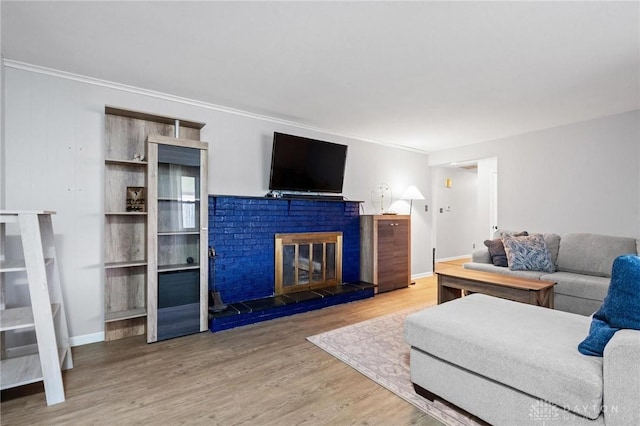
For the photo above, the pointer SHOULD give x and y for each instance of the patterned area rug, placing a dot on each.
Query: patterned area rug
(376, 348)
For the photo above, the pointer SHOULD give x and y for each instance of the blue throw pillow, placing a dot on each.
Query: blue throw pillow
(528, 253)
(620, 309)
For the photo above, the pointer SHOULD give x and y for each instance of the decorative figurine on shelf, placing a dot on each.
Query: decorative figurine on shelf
(189, 259)
(138, 157)
(135, 199)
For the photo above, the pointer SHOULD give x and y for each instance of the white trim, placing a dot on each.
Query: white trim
(447, 259)
(86, 339)
(421, 275)
(159, 95)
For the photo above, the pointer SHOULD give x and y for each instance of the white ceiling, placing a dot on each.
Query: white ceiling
(426, 75)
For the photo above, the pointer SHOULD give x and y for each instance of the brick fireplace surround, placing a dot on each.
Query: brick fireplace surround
(242, 230)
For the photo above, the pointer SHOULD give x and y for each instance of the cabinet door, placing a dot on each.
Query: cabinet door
(401, 242)
(392, 254)
(178, 287)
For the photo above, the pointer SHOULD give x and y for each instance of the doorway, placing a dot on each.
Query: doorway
(465, 206)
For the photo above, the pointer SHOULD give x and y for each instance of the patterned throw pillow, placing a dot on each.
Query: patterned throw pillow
(528, 253)
(496, 249)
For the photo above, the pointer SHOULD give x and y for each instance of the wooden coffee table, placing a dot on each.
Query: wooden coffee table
(453, 279)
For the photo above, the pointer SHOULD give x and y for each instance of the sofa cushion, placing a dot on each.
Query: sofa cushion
(514, 344)
(620, 309)
(481, 255)
(592, 254)
(578, 285)
(553, 244)
(528, 253)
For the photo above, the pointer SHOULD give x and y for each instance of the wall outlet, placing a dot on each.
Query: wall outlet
(426, 207)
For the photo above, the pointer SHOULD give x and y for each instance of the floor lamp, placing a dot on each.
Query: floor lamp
(412, 193)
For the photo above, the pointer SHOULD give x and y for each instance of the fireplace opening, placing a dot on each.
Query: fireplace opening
(307, 261)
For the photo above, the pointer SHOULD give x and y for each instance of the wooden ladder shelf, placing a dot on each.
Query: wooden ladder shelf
(46, 315)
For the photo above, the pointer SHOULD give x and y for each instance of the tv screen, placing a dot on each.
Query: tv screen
(306, 165)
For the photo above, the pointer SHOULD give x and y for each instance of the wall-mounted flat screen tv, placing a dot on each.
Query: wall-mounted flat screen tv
(306, 165)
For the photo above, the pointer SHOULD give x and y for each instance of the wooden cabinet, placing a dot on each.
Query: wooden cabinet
(126, 214)
(177, 237)
(21, 365)
(385, 251)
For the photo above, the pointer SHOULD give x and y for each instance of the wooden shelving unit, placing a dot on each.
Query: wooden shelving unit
(126, 254)
(46, 314)
(385, 251)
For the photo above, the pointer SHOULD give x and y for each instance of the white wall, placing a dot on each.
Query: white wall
(54, 129)
(583, 177)
(455, 211)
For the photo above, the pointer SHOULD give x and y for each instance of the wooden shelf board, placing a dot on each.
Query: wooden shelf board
(179, 233)
(151, 117)
(125, 213)
(17, 212)
(17, 265)
(126, 264)
(25, 369)
(19, 318)
(123, 315)
(20, 371)
(114, 161)
(178, 267)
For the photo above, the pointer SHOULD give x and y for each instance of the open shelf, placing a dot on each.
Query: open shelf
(25, 369)
(117, 162)
(124, 315)
(178, 267)
(45, 316)
(126, 264)
(19, 318)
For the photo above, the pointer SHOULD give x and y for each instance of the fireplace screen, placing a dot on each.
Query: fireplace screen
(307, 261)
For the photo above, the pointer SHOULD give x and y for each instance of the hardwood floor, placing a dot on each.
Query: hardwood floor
(261, 374)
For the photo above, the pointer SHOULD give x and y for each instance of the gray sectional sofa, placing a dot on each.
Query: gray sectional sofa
(583, 267)
(510, 363)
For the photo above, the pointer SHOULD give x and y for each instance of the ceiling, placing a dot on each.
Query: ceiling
(424, 75)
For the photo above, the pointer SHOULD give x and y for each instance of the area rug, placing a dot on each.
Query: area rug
(376, 348)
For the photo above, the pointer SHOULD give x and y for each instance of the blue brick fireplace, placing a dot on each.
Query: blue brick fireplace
(242, 230)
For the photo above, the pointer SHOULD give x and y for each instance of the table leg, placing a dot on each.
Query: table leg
(445, 293)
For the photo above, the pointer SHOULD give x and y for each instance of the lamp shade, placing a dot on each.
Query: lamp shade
(412, 193)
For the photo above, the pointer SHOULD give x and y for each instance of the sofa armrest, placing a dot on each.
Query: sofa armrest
(621, 375)
(481, 255)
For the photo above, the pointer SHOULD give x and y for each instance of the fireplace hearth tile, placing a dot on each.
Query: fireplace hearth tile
(250, 312)
(345, 288)
(362, 285)
(263, 304)
(302, 296)
(241, 308)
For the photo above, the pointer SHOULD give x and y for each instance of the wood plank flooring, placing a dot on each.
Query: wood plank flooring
(261, 374)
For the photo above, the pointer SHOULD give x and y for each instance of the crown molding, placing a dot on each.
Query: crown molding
(186, 101)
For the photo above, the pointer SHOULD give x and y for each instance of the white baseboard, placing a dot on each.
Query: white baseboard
(421, 275)
(446, 259)
(86, 339)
